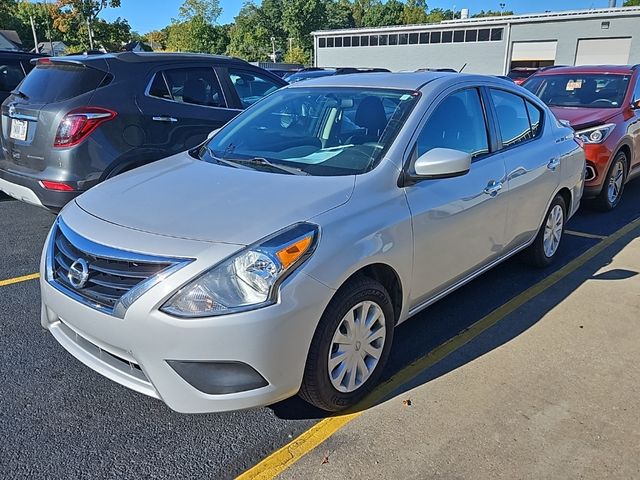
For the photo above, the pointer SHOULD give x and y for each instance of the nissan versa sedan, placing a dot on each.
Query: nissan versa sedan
(278, 257)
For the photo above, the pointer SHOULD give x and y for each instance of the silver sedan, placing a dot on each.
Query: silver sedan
(278, 257)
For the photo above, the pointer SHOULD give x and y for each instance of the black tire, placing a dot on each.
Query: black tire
(602, 202)
(317, 388)
(535, 255)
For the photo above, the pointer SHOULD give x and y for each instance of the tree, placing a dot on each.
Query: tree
(491, 13)
(631, 3)
(112, 35)
(359, 8)
(414, 12)
(383, 14)
(248, 38)
(437, 15)
(339, 15)
(297, 55)
(301, 17)
(157, 39)
(207, 10)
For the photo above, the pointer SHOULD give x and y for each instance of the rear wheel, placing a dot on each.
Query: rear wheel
(613, 184)
(545, 247)
(350, 346)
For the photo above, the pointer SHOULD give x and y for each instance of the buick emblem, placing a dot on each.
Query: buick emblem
(78, 273)
(12, 110)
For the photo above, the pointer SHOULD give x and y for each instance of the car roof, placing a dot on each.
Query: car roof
(400, 80)
(615, 69)
(152, 57)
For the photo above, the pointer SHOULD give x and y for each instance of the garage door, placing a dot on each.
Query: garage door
(607, 51)
(534, 51)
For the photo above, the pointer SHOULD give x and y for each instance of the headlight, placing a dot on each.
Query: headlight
(596, 135)
(247, 280)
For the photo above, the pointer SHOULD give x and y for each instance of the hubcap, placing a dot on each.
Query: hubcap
(356, 346)
(615, 182)
(553, 231)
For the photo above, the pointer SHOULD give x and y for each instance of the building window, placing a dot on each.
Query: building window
(424, 37)
(447, 36)
(355, 41)
(383, 40)
(364, 41)
(605, 25)
(403, 39)
(322, 42)
(496, 34)
(483, 35)
(436, 37)
(338, 41)
(458, 36)
(393, 39)
(373, 40)
(329, 41)
(346, 42)
(413, 38)
(471, 36)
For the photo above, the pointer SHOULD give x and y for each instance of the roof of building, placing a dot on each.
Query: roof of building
(497, 20)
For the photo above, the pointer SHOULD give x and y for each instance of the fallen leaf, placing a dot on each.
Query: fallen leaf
(406, 403)
(325, 460)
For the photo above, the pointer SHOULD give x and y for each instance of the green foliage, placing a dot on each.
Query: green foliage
(207, 11)
(414, 12)
(195, 29)
(249, 39)
(491, 13)
(631, 3)
(383, 14)
(297, 55)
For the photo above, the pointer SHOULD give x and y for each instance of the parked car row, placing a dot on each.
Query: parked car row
(76, 121)
(277, 255)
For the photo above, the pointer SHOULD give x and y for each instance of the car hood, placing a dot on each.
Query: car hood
(580, 118)
(186, 198)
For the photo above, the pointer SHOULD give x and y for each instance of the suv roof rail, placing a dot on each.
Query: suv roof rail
(551, 67)
(635, 67)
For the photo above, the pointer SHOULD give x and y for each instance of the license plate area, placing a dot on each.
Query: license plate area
(19, 129)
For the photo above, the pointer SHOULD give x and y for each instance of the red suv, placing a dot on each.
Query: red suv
(602, 104)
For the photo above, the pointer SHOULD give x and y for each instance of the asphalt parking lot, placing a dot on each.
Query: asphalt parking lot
(62, 420)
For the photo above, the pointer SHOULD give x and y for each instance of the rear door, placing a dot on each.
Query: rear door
(532, 162)
(181, 106)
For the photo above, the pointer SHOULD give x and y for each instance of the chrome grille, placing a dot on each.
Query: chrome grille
(112, 274)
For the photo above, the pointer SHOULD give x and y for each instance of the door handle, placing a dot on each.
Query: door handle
(553, 164)
(165, 118)
(493, 188)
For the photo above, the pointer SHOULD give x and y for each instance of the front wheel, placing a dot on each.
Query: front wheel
(613, 187)
(350, 346)
(545, 247)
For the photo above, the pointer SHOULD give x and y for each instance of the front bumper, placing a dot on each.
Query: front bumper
(28, 189)
(134, 351)
(598, 158)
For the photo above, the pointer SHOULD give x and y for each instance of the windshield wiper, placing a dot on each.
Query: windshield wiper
(259, 162)
(20, 94)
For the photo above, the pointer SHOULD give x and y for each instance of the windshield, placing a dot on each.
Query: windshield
(580, 90)
(313, 131)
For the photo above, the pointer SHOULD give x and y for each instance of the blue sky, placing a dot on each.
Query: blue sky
(146, 15)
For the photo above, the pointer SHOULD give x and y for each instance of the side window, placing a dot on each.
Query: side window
(457, 123)
(513, 119)
(251, 86)
(535, 119)
(11, 75)
(195, 86)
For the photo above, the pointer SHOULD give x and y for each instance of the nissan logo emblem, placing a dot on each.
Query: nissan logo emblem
(78, 273)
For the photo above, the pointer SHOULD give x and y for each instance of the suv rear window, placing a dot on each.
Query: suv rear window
(54, 83)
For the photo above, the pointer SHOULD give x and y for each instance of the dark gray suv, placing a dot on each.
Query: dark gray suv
(76, 121)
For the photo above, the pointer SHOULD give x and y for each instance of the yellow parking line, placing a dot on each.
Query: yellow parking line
(585, 235)
(286, 456)
(25, 278)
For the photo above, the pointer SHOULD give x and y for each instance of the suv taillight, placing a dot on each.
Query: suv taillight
(78, 125)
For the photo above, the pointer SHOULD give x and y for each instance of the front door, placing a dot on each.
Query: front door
(458, 223)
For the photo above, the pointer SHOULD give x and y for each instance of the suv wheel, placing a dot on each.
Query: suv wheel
(350, 347)
(545, 247)
(613, 184)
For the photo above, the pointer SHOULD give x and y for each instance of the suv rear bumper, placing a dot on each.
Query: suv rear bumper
(28, 189)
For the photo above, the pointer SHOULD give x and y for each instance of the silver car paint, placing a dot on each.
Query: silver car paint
(435, 235)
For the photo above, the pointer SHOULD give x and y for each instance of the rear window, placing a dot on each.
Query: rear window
(54, 83)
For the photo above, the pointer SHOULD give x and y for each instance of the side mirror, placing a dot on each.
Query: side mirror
(635, 105)
(212, 133)
(442, 163)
